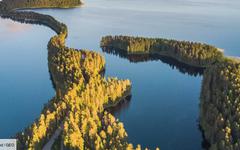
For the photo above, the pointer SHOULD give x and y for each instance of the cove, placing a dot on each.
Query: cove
(161, 109)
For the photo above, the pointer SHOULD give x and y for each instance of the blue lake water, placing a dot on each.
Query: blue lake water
(163, 110)
(25, 83)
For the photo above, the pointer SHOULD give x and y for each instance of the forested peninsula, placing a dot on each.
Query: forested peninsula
(220, 91)
(76, 114)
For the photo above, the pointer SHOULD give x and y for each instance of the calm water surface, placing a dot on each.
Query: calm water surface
(164, 108)
(25, 84)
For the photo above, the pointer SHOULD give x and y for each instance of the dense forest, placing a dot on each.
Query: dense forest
(220, 105)
(35, 18)
(76, 74)
(192, 53)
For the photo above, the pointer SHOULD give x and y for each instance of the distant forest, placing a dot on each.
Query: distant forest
(12, 4)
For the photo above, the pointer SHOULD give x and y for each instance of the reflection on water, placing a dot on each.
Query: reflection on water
(14, 27)
(8, 27)
(174, 64)
(122, 106)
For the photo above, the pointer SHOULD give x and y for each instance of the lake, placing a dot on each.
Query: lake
(163, 110)
(25, 82)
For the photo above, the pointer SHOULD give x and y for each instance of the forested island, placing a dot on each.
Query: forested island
(219, 99)
(77, 114)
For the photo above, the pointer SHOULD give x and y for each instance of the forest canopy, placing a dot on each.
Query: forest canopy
(192, 53)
